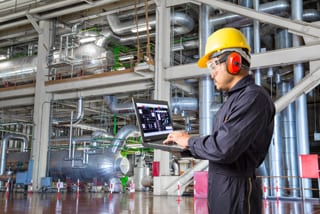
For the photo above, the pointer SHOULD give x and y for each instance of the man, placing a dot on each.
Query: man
(242, 129)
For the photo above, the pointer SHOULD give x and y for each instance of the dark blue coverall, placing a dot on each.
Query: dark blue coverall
(241, 135)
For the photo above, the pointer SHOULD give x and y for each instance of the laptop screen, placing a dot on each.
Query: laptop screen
(154, 119)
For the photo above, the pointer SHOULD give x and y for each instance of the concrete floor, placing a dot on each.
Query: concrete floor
(138, 202)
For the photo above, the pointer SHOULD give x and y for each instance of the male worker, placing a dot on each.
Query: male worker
(242, 129)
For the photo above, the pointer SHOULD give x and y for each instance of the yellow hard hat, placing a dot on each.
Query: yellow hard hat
(222, 39)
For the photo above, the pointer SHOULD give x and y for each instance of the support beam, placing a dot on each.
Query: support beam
(262, 60)
(308, 83)
(34, 23)
(77, 84)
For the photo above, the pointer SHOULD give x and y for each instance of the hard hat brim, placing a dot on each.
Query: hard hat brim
(202, 62)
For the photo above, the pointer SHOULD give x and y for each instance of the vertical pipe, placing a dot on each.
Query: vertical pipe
(301, 103)
(70, 134)
(4, 146)
(256, 36)
(276, 168)
(290, 143)
(206, 88)
(281, 41)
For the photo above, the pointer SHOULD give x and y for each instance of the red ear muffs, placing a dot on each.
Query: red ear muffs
(234, 63)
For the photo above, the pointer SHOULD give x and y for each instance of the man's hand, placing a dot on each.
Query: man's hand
(179, 137)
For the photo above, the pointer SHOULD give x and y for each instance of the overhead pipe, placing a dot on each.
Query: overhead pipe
(44, 10)
(39, 9)
(116, 107)
(78, 118)
(106, 37)
(275, 7)
(130, 39)
(311, 15)
(121, 136)
(4, 145)
(12, 5)
(179, 104)
(183, 24)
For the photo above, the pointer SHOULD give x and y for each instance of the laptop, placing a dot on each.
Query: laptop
(155, 123)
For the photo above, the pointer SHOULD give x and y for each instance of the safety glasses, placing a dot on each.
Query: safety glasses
(211, 65)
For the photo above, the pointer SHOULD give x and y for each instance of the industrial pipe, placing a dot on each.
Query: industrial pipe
(121, 136)
(5, 141)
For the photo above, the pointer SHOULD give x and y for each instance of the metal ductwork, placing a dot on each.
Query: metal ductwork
(105, 37)
(182, 22)
(20, 69)
(116, 107)
(121, 136)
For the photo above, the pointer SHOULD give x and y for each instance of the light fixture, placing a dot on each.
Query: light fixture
(140, 29)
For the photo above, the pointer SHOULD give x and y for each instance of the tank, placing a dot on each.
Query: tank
(102, 166)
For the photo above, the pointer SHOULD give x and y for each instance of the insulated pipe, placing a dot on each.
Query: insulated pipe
(290, 143)
(179, 104)
(301, 102)
(45, 8)
(5, 141)
(130, 39)
(78, 118)
(284, 40)
(121, 136)
(106, 37)
(236, 20)
(311, 15)
(276, 159)
(116, 107)
(38, 10)
(73, 148)
(206, 86)
(183, 24)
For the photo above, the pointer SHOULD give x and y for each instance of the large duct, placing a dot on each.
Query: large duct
(121, 136)
(182, 22)
(116, 107)
(19, 70)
